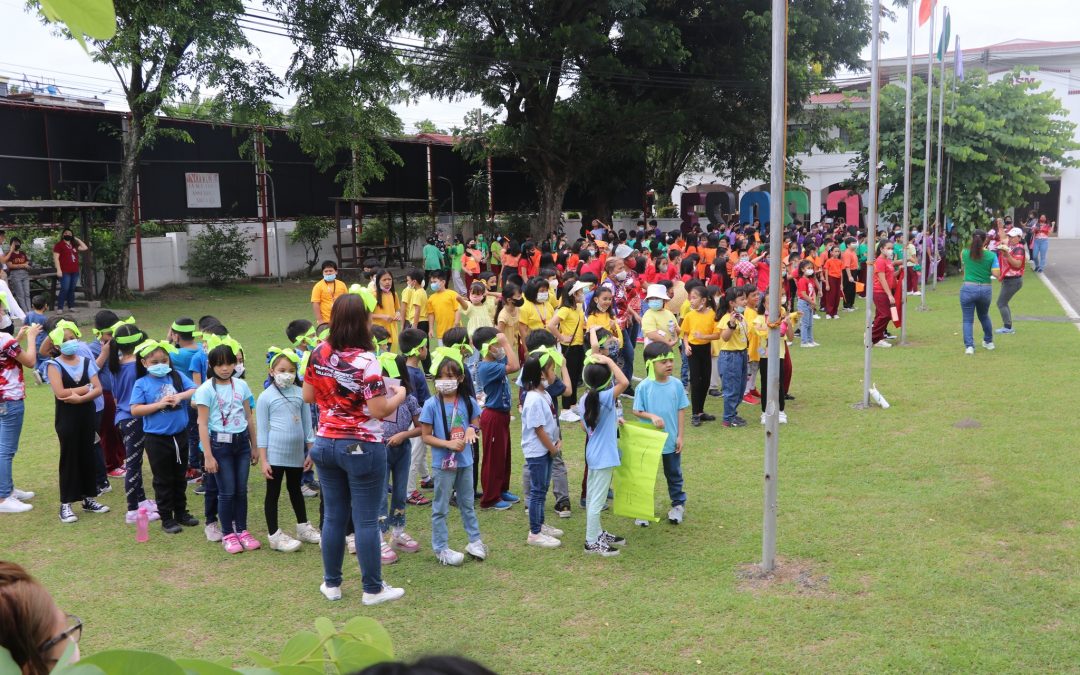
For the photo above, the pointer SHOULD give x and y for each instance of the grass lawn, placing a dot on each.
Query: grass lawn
(940, 534)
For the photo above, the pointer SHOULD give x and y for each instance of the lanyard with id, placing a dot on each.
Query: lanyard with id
(222, 436)
(455, 433)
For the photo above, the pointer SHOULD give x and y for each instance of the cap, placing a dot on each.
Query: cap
(623, 251)
(580, 286)
(657, 291)
(1016, 232)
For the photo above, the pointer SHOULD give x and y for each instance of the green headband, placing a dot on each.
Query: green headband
(57, 333)
(441, 354)
(273, 353)
(112, 329)
(548, 355)
(184, 327)
(214, 341)
(415, 351)
(148, 347)
(368, 296)
(388, 361)
(134, 338)
(649, 363)
(488, 345)
(308, 337)
(325, 334)
(591, 360)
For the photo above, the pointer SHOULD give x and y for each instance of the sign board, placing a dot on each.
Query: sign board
(203, 190)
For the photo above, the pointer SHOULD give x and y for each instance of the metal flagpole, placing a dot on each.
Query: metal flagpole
(940, 154)
(907, 168)
(927, 165)
(778, 172)
(872, 209)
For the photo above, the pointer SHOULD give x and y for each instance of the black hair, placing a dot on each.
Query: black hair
(465, 388)
(222, 355)
(978, 240)
(379, 333)
(531, 373)
(141, 371)
(655, 349)
(515, 279)
(483, 335)
(727, 301)
(687, 266)
(485, 276)
(568, 297)
(403, 373)
(547, 272)
(379, 289)
(508, 291)
(410, 339)
(594, 376)
(105, 319)
(415, 274)
(532, 287)
(477, 287)
(372, 263)
(455, 336)
(541, 337)
(116, 348)
(207, 320)
(296, 328)
(328, 263)
(39, 301)
(440, 274)
(592, 308)
(703, 291)
(184, 321)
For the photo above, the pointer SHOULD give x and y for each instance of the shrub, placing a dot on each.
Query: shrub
(669, 211)
(219, 254)
(573, 215)
(309, 233)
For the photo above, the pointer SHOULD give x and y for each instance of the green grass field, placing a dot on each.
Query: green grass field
(938, 535)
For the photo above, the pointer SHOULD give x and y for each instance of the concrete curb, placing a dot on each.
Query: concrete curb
(1069, 311)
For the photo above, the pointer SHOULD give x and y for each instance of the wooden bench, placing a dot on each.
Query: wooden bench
(352, 256)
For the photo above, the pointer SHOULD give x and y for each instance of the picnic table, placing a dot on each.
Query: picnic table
(352, 256)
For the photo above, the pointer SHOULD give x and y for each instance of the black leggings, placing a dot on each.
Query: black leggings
(575, 363)
(700, 373)
(74, 425)
(291, 476)
(764, 389)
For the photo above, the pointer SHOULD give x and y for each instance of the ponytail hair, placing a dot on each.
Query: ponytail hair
(594, 376)
(978, 240)
(532, 373)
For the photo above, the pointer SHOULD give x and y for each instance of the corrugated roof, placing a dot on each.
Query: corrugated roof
(438, 139)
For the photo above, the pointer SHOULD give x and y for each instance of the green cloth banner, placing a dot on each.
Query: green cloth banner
(634, 480)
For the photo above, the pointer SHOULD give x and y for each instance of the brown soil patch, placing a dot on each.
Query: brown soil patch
(788, 576)
(967, 423)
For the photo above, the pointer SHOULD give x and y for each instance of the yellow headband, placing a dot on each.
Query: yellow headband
(57, 333)
(415, 351)
(591, 360)
(547, 355)
(441, 354)
(213, 341)
(308, 337)
(488, 345)
(649, 363)
(184, 327)
(388, 361)
(273, 353)
(368, 296)
(112, 329)
(134, 338)
(148, 347)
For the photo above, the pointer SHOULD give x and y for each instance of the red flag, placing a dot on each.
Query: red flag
(926, 8)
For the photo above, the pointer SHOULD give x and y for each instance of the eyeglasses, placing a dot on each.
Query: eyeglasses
(73, 631)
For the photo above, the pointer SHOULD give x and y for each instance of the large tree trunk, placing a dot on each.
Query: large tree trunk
(114, 285)
(550, 192)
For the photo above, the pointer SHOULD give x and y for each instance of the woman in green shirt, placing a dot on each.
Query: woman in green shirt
(976, 293)
(496, 256)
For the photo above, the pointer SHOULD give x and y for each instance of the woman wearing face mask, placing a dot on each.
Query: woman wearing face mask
(33, 630)
(884, 301)
(66, 260)
(387, 306)
(18, 269)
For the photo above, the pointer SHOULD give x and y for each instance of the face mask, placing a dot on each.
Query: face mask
(435, 285)
(808, 273)
(744, 258)
(656, 304)
(541, 297)
(284, 379)
(888, 253)
(68, 237)
(16, 246)
(553, 284)
(446, 386)
(621, 276)
(517, 302)
(69, 347)
(159, 369)
(329, 278)
(386, 285)
(740, 310)
(496, 352)
(239, 370)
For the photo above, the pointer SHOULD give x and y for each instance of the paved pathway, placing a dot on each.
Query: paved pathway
(1063, 269)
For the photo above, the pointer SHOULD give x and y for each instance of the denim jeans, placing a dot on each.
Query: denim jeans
(673, 474)
(68, 282)
(629, 337)
(732, 367)
(1039, 250)
(11, 421)
(976, 299)
(539, 478)
(807, 322)
(355, 482)
(234, 464)
(448, 481)
(398, 459)
(684, 374)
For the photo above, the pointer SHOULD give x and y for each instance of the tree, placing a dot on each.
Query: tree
(309, 233)
(426, 126)
(1003, 138)
(162, 51)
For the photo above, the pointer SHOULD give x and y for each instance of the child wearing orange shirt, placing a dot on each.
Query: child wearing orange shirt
(834, 270)
(850, 260)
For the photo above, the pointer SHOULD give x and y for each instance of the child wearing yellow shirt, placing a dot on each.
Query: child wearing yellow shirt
(733, 334)
(697, 329)
(750, 392)
(442, 306)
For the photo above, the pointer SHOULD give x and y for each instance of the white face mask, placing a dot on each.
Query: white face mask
(446, 386)
(239, 370)
(541, 297)
(621, 276)
(284, 379)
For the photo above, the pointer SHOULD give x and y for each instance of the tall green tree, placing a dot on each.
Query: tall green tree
(163, 51)
(1004, 139)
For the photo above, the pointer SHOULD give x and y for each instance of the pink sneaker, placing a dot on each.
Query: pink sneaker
(249, 542)
(403, 542)
(232, 544)
(388, 555)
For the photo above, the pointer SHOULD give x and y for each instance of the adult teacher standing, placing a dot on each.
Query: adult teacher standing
(66, 260)
(976, 293)
(345, 379)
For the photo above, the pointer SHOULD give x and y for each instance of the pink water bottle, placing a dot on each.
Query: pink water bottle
(142, 525)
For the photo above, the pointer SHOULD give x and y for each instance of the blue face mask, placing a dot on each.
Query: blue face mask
(69, 347)
(656, 304)
(740, 310)
(329, 278)
(159, 369)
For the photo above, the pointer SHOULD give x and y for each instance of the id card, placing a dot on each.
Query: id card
(222, 437)
(449, 463)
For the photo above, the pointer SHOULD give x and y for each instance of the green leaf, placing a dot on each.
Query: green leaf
(299, 647)
(131, 662)
(96, 18)
(371, 631)
(300, 670)
(323, 625)
(353, 656)
(260, 660)
(201, 667)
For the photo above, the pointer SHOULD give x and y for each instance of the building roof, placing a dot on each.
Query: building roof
(438, 139)
(1019, 48)
(38, 204)
(835, 98)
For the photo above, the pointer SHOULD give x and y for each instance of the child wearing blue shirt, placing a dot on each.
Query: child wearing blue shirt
(600, 419)
(498, 361)
(662, 401)
(540, 442)
(160, 398)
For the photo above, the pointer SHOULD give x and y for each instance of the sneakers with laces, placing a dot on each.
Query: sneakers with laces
(562, 507)
(249, 542)
(104, 489)
(416, 498)
(187, 520)
(116, 473)
(1005, 331)
(332, 593)
(542, 540)
(510, 497)
(989, 346)
(170, 526)
(601, 548)
(279, 541)
(641, 523)
(387, 594)
(568, 415)
(499, 506)
(386, 554)
(231, 544)
(308, 492)
(307, 533)
(67, 515)
(21, 495)
(449, 556)
(969, 350)
(427, 482)
(401, 541)
(884, 344)
(350, 543)
(551, 531)
(131, 517)
(706, 417)
(751, 399)
(477, 549)
(695, 420)
(213, 532)
(94, 506)
(12, 505)
(737, 422)
(149, 505)
(675, 515)
(611, 539)
(783, 417)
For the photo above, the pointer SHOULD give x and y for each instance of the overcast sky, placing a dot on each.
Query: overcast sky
(28, 48)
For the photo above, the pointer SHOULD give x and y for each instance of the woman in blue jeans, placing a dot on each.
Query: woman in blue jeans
(12, 359)
(66, 260)
(976, 293)
(344, 378)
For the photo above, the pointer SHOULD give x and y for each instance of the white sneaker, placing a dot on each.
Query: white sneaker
(213, 532)
(21, 495)
(827, 317)
(989, 346)
(279, 541)
(13, 505)
(783, 417)
(568, 415)
(763, 418)
(551, 531)
(387, 594)
(675, 515)
(815, 344)
(307, 533)
(477, 549)
(884, 344)
(449, 556)
(330, 593)
(350, 543)
(817, 316)
(969, 350)
(542, 540)
(307, 492)
(132, 517)
(67, 514)
(641, 523)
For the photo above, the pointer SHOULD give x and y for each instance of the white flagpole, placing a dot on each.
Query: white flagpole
(872, 208)
(778, 131)
(907, 169)
(940, 154)
(926, 165)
